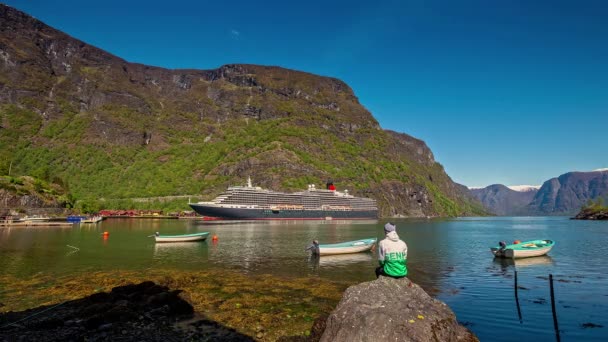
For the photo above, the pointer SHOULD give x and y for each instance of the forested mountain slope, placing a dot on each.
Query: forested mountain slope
(106, 128)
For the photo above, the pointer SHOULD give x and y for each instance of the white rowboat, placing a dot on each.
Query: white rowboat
(356, 246)
(181, 238)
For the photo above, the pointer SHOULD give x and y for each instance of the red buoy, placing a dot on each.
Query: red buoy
(214, 238)
(106, 234)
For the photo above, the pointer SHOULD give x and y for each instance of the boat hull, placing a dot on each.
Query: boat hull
(344, 250)
(268, 214)
(181, 238)
(95, 219)
(525, 249)
(347, 247)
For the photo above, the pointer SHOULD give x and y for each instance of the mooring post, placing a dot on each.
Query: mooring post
(517, 300)
(553, 308)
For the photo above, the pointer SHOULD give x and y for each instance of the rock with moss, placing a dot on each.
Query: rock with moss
(390, 309)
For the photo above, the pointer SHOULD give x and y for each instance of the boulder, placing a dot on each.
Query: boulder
(390, 309)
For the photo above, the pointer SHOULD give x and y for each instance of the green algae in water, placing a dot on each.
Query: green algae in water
(239, 301)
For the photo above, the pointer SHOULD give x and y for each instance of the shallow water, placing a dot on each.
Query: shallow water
(449, 258)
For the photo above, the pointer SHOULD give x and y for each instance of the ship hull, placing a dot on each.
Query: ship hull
(267, 214)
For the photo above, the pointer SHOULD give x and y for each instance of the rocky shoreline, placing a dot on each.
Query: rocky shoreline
(592, 214)
(151, 312)
(143, 312)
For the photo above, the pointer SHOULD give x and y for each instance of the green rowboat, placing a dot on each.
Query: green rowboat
(523, 249)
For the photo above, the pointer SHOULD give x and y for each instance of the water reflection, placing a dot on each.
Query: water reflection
(196, 251)
(544, 260)
(449, 258)
(252, 223)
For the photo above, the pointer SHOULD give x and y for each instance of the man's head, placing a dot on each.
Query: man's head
(389, 227)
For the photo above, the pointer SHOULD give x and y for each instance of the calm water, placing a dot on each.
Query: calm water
(449, 258)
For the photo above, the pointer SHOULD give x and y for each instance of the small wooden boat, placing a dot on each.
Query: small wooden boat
(92, 219)
(356, 246)
(35, 219)
(523, 249)
(181, 238)
(75, 218)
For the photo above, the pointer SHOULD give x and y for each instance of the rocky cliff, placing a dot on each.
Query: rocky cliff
(31, 196)
(109, 128)
(566, 194)
(503, 201)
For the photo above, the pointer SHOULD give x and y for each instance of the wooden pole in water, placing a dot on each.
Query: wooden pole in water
(517, 300)
(553, 308)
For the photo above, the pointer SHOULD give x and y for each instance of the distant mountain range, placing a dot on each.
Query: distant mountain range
(502, 200)
(563, 195)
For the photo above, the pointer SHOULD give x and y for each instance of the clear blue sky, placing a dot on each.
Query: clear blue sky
(511, 92)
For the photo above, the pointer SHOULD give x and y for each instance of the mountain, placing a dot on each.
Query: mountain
(76, 115)
(563, 195)
(504, 201)
(566, 194)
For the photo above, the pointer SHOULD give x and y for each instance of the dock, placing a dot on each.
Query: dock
(35, 224)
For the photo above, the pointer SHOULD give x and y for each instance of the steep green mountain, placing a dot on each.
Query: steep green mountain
(108, 128)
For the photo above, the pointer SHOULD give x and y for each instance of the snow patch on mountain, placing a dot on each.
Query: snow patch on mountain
(523, 188)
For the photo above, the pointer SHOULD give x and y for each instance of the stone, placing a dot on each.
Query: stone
(390, 309)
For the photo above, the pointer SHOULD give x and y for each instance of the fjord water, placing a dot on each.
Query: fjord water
(448, 258)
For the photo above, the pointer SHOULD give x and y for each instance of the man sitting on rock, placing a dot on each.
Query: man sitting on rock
(392, 254)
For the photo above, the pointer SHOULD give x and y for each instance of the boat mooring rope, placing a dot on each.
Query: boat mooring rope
(30, 316)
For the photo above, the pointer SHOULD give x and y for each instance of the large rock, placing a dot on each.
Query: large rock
(390, 309)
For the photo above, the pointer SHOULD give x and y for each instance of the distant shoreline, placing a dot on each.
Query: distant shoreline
(592, 214)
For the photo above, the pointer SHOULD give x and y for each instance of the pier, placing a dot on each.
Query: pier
(34, 224)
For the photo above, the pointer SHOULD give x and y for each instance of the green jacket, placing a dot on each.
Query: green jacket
(392, 255)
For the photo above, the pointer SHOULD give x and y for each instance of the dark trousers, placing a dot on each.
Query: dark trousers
(380, 272)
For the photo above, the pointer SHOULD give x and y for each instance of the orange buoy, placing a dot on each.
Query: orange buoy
(214, 238)
(516, 242)
(106, 234)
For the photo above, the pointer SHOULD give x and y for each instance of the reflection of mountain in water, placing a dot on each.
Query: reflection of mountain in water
(544, 260)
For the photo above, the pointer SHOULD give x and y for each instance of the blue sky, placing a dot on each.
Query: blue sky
(511, 92)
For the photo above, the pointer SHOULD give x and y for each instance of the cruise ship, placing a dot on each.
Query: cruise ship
(254, 203)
